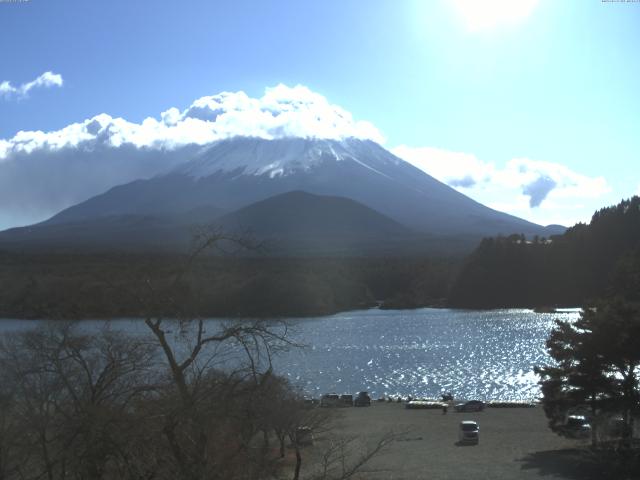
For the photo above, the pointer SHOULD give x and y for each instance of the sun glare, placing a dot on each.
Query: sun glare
(487, 14)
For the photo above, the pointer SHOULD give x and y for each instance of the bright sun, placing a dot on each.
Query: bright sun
(487, 14)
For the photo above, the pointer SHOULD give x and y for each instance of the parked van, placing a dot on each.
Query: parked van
(469, 432)
(330, 400)
(362, 400)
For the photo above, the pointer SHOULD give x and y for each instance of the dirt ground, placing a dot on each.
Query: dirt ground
(514, 444)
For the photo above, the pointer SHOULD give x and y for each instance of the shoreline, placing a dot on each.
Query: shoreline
(557, 310)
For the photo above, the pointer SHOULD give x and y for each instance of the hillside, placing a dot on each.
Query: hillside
(293, 223)
(586, 262)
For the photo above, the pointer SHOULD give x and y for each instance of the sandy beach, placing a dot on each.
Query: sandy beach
(514, 444)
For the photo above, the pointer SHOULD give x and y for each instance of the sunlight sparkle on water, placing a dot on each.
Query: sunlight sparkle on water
(422, 353)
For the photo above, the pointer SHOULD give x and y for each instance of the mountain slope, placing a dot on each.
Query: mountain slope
(301, 214)
(238, 172)
(302, 222)
(290, 223)
(114, 232)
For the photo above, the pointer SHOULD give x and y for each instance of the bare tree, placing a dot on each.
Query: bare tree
(216, 372)
(72, 398)
(249, 399)
(347, 456)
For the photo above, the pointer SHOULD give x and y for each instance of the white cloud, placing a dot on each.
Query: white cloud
(544, 192)
(560, 181)
(47, 79)
(281, 112)
(43, 172)
(453, 168)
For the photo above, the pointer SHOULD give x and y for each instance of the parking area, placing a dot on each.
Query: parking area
(514, 444)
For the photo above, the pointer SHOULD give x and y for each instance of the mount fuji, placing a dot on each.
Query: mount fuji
(222, 178)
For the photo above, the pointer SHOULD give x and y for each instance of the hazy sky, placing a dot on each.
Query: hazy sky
(532, 107)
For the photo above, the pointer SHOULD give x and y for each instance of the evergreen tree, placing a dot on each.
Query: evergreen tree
(598, 362)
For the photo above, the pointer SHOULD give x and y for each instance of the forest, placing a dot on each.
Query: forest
(74, 286)
(587, 262)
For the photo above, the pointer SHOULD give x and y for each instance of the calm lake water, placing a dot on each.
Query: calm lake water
(474, 354)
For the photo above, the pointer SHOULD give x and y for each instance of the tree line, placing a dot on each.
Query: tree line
(82, 285)
(587, 262)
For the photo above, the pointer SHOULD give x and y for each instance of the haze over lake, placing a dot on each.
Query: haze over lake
(474, 354)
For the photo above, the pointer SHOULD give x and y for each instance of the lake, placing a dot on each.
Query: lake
(473, 354)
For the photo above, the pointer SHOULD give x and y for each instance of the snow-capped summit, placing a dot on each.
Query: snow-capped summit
(281, 157)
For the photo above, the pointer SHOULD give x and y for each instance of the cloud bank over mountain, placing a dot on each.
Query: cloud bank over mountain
(282, 112)
(46, 80)
(42, 173)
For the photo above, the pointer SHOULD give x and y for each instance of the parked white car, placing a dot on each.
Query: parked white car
(469, 432)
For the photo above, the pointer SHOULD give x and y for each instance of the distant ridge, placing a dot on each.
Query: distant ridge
(234, 173)
(291, 222)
